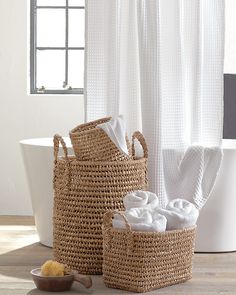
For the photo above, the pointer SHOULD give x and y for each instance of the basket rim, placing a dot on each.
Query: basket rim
(77, 130)
(72, 134)
(72, 158)
(150, 234)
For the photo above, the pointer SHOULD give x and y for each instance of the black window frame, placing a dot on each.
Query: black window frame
(34, 48)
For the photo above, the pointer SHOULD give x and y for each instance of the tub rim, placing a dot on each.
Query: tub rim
(43, 142)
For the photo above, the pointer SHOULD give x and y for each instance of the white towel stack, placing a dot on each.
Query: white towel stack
(144, 213)
(141, 219)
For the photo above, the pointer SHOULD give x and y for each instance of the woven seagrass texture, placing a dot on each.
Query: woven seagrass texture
(83, 192)
(93, 144)
(144, 261)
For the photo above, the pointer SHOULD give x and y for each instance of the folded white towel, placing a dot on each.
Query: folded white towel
(141, 220)
(116, 130)
(179, 213)
(141, 199)
(192, 174)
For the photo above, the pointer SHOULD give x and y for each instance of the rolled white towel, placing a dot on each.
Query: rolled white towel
(159, 223)
(179, 213)
(141, 220)
(141, 199)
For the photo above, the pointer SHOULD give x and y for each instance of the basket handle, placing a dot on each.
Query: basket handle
(59, 140)
(107, 219)
(139, 136)
(107, 226)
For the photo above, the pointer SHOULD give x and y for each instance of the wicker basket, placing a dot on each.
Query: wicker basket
(144, 261)
(93, 144)
(83, 192)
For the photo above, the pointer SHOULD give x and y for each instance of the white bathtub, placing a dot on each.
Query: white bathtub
(38, 160)
(217, 221)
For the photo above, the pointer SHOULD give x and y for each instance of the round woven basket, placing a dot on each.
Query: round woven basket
(93, 144)
(83, 192)
(144, 261)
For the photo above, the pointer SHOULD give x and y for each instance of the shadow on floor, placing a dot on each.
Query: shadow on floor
(19, 262)
(76, 289)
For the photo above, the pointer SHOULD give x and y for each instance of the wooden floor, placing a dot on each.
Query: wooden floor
(20, 251)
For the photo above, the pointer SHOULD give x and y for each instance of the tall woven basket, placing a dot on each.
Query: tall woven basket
(83, 192)
(144, 261)
(93, 144)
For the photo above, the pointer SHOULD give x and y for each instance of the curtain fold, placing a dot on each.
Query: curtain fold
(160, 64)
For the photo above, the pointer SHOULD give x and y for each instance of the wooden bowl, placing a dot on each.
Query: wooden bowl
(52, 284)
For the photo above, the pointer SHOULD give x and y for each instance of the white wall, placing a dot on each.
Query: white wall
(230, 37)
(21, 115)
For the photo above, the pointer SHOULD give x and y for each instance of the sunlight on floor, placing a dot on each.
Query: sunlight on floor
(17, 236)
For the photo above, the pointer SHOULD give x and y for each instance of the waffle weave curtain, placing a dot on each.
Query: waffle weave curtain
(160, 64)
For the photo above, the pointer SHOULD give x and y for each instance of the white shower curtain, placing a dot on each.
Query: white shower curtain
(160, 64)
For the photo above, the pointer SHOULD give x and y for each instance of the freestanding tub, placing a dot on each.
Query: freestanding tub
(38, 160)
(217, 220)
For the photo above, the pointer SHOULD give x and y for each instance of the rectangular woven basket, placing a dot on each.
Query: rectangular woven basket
(83, 192)
(144, 261)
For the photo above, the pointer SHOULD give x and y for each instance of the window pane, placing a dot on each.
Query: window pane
(76, 68)
(76, 27)
(50, 27)
(51, 2)
(76, 2)
(50, 68)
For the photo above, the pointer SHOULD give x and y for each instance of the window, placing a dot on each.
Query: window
(57, 46)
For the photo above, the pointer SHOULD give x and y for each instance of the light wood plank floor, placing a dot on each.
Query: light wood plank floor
(20, 251)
